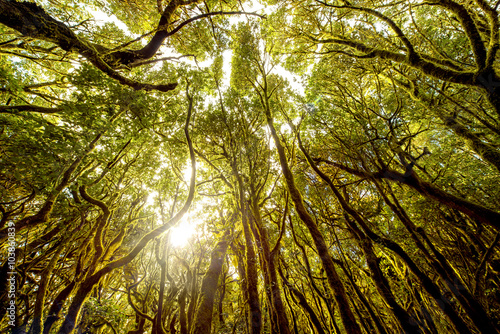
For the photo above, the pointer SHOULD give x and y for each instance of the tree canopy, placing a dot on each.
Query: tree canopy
(186, 166)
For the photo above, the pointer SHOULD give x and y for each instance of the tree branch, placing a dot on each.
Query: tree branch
(27, 107)
(31, 20)
(202, 16)
(470, 29)
(427, 67)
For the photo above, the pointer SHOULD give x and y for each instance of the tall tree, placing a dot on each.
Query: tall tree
(200, 167)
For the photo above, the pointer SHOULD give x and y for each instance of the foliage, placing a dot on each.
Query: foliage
(363, 201)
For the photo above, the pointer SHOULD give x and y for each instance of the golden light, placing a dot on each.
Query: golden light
(182, 233)
(186, 173)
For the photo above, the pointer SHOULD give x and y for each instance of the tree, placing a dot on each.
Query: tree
(145, 188)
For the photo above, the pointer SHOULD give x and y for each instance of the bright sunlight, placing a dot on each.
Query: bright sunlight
(183, 232)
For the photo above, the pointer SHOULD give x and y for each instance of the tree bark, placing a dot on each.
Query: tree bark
(476, 211)
(203, 318)
(31, 20)
(37, 324)
(251, 282)
(302, 301)
(426, 282)
(270, 267)
(346, 314)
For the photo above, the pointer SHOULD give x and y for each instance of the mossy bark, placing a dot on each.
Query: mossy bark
(276, 303)
(204, 313)
(348, 319)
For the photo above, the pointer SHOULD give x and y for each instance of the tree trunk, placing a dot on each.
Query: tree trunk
(346, 314)
(203, 318)
(302, 301)
(270, 267)
(37, 325)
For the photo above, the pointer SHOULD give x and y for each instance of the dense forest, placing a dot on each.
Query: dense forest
(222, 166)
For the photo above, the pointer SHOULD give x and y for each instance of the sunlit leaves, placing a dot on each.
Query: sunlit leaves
(358, 119)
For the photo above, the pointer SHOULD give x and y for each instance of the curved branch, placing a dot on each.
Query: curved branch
(27, 107)
(399, 33)
(478, 212)
(470, 29)
(134, 307)
(202, 16)
(163, 228)
(91, 200)
(31, 20)
(494, 31)
(427, 67)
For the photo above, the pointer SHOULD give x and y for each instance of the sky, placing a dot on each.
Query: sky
(253, 6)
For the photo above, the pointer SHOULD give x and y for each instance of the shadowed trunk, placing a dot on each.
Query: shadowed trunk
(203, 318)
(348, 319)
